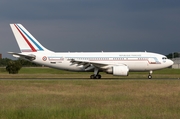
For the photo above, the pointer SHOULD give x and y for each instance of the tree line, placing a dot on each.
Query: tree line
(4, 62)
(13, 66)
(173, 55)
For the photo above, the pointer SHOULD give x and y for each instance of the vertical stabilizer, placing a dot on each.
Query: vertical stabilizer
(26, 42)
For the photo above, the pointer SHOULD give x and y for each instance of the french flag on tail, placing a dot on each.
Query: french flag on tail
(26, 42)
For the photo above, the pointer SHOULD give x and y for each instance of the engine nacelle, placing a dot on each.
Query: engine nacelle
(119, 70)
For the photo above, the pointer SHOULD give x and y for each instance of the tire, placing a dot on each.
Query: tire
(98, 77)
(92, 77)
(149, 77)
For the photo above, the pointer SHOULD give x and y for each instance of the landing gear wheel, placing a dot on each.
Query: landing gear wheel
(149, 77)
(95, 77)
(92, 77)
(98, 77)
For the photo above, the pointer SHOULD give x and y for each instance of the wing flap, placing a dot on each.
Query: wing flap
(91, 64)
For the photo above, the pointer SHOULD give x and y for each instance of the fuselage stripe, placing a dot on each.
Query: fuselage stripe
(120, 59)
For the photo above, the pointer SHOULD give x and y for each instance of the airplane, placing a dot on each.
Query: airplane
(115, 63)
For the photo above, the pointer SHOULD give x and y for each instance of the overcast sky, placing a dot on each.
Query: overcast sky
(94, 25)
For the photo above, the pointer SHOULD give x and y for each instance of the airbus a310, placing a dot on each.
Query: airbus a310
(116, 63)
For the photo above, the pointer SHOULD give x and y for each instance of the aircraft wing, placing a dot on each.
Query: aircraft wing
(24, 56)
(92, 64)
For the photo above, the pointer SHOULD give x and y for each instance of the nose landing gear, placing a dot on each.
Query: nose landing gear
(150, 76)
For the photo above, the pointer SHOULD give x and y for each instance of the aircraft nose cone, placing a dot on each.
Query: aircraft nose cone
(171, 62)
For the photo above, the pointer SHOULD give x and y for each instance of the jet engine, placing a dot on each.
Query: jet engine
(118, 70)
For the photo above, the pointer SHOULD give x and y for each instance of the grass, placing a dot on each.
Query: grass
(87, 99)
(59, 97)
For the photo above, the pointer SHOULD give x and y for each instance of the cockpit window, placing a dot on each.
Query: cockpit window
(164, 58)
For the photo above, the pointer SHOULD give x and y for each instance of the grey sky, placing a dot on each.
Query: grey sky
(94, 25)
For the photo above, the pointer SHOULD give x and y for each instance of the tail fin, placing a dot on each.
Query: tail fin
(26, 42)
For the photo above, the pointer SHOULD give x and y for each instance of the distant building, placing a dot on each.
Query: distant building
(176, 64)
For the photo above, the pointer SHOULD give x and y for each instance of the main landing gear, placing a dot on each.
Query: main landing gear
(150, 76)
(95, 77)
(96, 74)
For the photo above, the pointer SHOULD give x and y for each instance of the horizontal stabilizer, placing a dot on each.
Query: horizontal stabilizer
(20, 55)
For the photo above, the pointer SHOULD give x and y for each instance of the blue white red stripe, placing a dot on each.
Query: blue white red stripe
(26, 37)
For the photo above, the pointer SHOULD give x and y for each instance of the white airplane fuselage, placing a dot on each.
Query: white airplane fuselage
(116, 63)
(136, 61)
